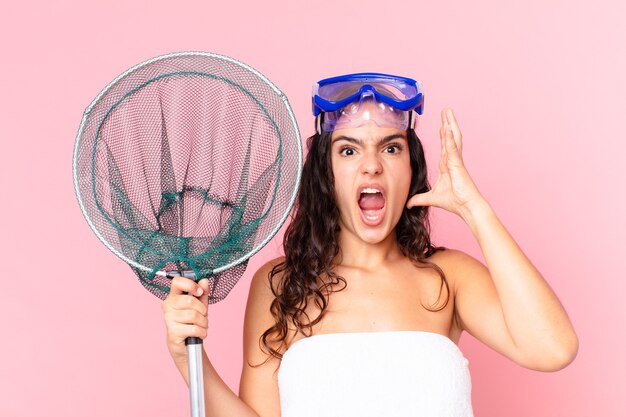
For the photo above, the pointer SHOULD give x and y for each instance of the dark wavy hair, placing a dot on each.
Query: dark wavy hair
(310, 243)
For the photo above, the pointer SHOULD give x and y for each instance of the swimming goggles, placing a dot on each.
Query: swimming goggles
(339, 101)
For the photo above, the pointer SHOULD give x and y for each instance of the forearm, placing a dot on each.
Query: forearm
(219, 399)
(535, 318)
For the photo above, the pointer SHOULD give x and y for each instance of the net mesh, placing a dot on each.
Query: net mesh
(188, 162)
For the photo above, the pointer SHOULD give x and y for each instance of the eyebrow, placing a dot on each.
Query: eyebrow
(384, 140)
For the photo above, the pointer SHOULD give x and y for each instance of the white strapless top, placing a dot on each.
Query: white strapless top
(381, 374)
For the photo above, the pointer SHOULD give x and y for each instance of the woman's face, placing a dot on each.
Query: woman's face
(372, 171)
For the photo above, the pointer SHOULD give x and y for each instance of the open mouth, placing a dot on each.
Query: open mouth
(372, 205)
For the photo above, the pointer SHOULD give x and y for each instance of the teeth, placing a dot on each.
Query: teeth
(370, 190)
(371, 216)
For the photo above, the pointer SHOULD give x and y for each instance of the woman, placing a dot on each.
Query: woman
(362, 315)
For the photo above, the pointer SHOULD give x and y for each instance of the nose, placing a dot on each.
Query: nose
(371, 164)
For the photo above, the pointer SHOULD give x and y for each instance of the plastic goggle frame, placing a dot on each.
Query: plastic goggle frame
(326, 98)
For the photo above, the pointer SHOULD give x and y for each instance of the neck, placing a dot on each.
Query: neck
(356, 253)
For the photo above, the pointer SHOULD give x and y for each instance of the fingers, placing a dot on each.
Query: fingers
(451, 140)
(443, 161)
(450, 144)
(191, 317)
(185, 315)
(452, 151)
(447, 118)
(204, 298)
(182, 285)
(181, 324)
(178, 300)
(185, 323)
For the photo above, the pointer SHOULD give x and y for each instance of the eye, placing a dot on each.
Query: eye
(346, 151)
(393, 149)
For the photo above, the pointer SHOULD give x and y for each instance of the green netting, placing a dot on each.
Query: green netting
(188, 162)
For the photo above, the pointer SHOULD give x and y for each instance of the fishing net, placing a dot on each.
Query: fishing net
(188, 164)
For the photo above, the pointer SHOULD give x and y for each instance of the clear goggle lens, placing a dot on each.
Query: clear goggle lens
(363, 111)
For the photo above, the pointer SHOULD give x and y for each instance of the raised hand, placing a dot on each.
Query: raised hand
(454, 190)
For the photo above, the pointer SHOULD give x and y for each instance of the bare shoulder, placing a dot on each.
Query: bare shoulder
(456, 265)
(451, 257)
(259, 385)
(261, 279)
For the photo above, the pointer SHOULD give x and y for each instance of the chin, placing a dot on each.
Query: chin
(373, 238)
(374, 235)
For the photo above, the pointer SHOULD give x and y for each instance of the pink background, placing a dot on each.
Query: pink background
(537, 87)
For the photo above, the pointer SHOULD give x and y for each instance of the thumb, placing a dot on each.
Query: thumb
(181, 285)
(204, 284)
(422, 199)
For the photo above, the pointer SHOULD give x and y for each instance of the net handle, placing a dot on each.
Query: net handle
(194, 361)
(196, 376)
